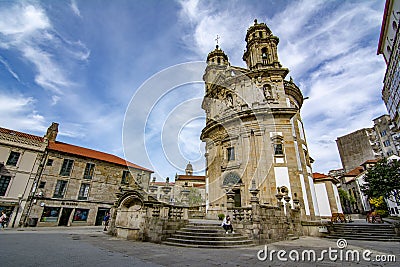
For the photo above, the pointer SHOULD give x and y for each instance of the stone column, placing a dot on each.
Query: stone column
(255, 203)
(255, 211)
(288, 207)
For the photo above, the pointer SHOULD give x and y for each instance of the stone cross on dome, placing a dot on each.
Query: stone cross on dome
(217, 39)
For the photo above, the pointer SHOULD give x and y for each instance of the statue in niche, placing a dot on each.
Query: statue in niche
(229, 100)
(267, 91)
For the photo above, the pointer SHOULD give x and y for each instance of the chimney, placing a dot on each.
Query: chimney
(52, 132)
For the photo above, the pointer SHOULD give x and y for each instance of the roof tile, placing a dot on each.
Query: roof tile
(94, 154)
(23, 135)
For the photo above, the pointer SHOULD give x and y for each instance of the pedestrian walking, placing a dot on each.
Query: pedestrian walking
(106, 220)
(3, 219)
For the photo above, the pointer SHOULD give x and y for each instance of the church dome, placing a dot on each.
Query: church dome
(189, 169)
(189, 166)
(217, 57)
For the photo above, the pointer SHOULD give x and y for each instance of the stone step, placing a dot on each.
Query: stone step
(371, 232)
(219, 233)
(369, 235)
(364, 229)
(211, 226)
(206, 246)
(198, 230)
(207, 234)
(225, 237)
(366, 235)
(211, 244)
(363, 226)
(366, 238)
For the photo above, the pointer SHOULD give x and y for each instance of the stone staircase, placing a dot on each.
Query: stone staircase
(364, 231)
(207, 234)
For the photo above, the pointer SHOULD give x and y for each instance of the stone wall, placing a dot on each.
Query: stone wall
(135, 218)
(266, 223)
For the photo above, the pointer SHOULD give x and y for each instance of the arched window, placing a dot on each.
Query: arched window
(264, 55)
(277, 141)
(231, 178)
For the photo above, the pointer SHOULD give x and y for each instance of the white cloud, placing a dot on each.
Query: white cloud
(23, 20)
(207, 20)
(26, 30)
(9, 69)
(18, 113)
(75, 9)
(49, 75)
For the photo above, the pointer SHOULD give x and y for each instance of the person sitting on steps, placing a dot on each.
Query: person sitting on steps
(227, 224)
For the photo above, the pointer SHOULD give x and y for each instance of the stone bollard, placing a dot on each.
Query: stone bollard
(230, 202)
(185, 196)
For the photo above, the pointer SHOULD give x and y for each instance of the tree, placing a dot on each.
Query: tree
(195, 197)
(346, 200)
(383, 180)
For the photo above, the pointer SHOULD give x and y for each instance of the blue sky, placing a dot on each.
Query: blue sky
(79, 63)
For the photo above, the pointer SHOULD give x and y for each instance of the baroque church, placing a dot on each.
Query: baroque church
(254, 133)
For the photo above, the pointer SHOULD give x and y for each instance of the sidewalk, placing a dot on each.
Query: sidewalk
(55, 229)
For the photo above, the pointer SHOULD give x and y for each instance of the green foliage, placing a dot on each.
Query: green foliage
(344, 195)
(195, 197)
(221, 216)
(380, 206)
(383, 180)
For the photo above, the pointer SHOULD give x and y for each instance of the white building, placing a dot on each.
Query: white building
(389, 47)
(20, 159)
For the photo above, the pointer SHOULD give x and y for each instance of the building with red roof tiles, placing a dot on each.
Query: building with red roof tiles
(356, 201)
(174, 193)
(70, 185)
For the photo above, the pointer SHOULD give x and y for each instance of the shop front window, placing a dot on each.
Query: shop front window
(81, 215)
(50, 214)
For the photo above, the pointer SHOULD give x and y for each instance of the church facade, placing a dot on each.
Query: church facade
(254, 133)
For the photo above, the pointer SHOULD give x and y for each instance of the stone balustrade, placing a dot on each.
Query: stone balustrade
(241, 214)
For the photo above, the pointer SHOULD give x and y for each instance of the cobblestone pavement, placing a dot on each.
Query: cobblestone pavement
(89, 246)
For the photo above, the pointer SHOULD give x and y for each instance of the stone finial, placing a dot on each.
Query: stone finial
(167, 180)
(255, 21)
(52, 132)
(154, 179)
